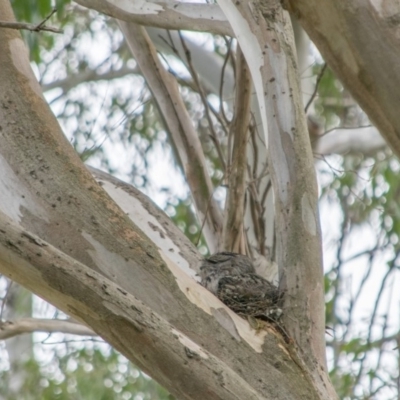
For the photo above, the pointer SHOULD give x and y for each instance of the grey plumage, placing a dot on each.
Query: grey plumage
(222, 265)
(232, 278)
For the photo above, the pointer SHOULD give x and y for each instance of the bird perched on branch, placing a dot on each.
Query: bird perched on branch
(232, 278)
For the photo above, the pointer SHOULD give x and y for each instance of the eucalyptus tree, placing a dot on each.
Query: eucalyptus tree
(102, 252)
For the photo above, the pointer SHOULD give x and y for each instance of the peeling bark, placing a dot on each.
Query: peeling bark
(184, 366)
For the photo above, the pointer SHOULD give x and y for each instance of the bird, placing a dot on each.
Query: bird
(233, 279)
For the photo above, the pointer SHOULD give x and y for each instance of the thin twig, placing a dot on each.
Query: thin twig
(32, 27)
(219, 118)
(221, 85)
(41, 24)
(29, 27)
(362, 360)
(319, 77)
(203, 99)
(207, 208)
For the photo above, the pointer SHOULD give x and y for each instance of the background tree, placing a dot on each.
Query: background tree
(56, 202)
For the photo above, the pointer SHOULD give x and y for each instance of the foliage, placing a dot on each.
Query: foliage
(35, 12)
(87, 372)
(360, 300)
(31, 10)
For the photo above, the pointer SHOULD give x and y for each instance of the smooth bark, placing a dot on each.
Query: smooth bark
(165, 14)
(264, 33)
(360, 41)
(20, 326)
(233, 232)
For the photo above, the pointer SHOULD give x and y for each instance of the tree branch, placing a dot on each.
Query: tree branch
(29, 27)
(180, 127)
(88, 76)
(366, 140)
(152, 221)
(172, 15)
(9, 329)
(348, 35)
(205, 62)
(116, 316)
(233, 235)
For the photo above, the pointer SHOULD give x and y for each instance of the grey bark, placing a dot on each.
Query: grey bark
(359, 40)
